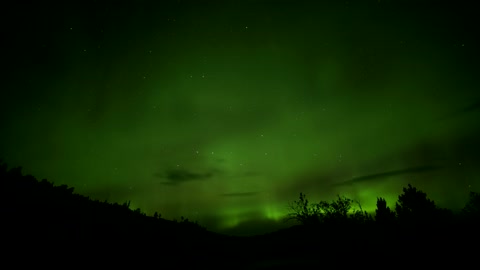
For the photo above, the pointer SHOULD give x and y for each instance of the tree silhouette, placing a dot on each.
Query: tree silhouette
(40, 212)
(337, 210)
(303, 212)
(360, 217)
(471, 210)
(472, 207)
(414, 208)
(383, 214)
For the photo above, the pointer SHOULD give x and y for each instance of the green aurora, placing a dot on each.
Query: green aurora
(224, 111)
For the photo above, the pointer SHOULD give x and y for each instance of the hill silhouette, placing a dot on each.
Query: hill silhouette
(55, 225)
(38, 216)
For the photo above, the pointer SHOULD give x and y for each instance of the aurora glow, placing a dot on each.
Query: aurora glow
(224, 111)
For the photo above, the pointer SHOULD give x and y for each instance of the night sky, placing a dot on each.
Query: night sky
(224, 111)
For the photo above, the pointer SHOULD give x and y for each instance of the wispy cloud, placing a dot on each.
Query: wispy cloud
(378, 176)
(174, 177)
(473, 107)
(240, 194)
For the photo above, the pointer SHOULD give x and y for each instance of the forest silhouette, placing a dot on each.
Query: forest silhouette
(56, 224)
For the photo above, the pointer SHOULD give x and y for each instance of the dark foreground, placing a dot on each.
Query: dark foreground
(294, 248)
(46, 225)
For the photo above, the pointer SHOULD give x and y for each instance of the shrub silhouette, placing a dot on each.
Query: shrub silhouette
(339, 212)
(360, 217)
(303, 212)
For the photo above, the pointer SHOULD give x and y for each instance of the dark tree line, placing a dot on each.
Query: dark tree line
(39, 216)
(413, 208)
(416, 223)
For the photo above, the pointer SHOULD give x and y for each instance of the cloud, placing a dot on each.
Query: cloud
(473, 107)
(174, 177)
(240, 194)
(377, 176)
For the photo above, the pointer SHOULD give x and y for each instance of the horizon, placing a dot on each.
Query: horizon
(253, 227)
